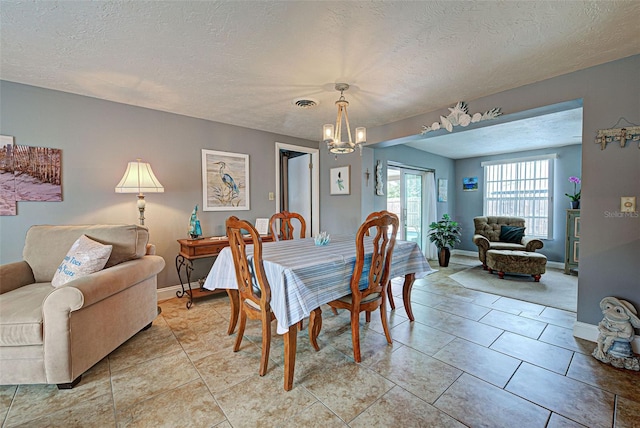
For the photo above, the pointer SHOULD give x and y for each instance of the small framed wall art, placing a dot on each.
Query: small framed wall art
(442, 189)
(225, 181)
(340, 180)
(470, 184)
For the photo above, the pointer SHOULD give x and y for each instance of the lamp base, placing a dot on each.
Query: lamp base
(141, 206)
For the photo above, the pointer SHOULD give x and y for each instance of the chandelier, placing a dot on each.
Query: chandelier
(332, 136)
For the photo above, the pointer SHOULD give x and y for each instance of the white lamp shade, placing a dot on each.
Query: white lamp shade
(361, 135)
(139, 178)
(327, 133)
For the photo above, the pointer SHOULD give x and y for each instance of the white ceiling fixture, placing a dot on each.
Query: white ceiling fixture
(332, 136)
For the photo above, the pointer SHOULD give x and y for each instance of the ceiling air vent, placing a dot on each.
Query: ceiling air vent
(305, 102)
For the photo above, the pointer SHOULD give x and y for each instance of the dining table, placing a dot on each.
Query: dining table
(303, 276)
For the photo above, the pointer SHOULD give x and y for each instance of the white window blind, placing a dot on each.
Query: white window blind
(521, 188)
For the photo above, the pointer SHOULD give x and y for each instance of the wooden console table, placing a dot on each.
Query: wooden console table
(194, 249)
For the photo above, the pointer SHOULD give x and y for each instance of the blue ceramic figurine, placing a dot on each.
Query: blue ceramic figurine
(195, 230)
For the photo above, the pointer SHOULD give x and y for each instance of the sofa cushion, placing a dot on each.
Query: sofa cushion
(21, 315)
(506, 246)
(85, 257)
(511, 234)
(45, 246)
(490, 226)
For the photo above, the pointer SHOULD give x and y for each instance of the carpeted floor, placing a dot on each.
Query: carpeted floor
(555, 289)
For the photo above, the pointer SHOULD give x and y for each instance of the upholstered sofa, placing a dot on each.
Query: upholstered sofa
(52, 335)
(487, 236)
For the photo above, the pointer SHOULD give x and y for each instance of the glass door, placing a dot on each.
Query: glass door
(404, 198)
(412, 199)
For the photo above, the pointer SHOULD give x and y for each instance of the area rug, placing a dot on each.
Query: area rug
(555, 289)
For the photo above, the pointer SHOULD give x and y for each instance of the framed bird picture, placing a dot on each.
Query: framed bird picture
(225, 181)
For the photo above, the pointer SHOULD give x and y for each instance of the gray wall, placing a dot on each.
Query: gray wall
(609, 244)
(345, 213)
(469, 204)
(444, 167)
(99, 137)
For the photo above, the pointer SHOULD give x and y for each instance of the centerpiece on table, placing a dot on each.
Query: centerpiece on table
(323, 238)
(575, 197)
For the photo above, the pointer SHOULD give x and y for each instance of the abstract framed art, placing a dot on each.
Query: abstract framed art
(442, 189)
(340, 180)
(225, 181)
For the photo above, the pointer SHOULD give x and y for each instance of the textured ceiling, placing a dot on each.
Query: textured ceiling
(556, 129)
(244, 63)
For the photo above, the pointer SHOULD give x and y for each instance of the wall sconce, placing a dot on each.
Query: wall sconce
(139, 178)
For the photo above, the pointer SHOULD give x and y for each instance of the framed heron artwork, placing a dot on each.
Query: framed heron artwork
(225, 181)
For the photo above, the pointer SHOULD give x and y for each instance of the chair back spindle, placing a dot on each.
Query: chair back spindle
(287, 228)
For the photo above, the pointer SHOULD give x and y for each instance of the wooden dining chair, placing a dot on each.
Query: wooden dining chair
(254, 289)
(287, 230)
(375, 214)
(253, 286)
(374, 295)
(286, 226)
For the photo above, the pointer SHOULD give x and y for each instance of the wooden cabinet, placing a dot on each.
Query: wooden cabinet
(572, 249)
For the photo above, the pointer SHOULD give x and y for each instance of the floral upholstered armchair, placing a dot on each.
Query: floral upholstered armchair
(502, 233)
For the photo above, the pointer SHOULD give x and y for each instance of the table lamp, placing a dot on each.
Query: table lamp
(139, 178)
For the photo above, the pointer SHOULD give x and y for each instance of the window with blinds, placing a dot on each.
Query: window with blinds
(521, 188)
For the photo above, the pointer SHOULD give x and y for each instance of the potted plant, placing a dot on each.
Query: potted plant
(445, 234)
(575, 198)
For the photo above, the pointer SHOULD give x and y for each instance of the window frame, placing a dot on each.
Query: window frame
(520, 167)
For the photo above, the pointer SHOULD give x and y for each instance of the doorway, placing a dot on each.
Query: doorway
(411, 196)
(298, 183)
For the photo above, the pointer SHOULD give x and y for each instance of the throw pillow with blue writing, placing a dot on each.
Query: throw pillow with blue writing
(85, 257)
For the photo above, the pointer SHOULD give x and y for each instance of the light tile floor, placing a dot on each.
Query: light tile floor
(469, 359)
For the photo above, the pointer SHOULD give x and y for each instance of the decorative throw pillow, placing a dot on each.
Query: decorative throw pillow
(511, 234)
(85, 256)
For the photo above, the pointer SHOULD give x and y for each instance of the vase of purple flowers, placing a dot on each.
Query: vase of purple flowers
(575, 197)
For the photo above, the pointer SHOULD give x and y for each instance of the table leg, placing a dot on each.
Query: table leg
(290, 339)
(406, 294)
(234, 302)
(181, 262)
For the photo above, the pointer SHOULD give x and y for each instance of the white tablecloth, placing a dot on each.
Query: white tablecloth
(304, 276)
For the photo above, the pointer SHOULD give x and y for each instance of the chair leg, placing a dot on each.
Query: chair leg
(315, 324)
(334, 310)
(234, 302)
(367, 316)
(71, 384)
(266, 342)
(147, 327)
(385, 322)
(243, 322)
(355, 335)
(390, 294)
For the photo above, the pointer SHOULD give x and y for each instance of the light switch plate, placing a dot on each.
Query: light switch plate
(628, 204)
(272, 196)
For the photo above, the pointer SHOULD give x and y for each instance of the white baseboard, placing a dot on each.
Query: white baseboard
(556, 265)
(167, 293)
(464, 253)
(590, 332)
